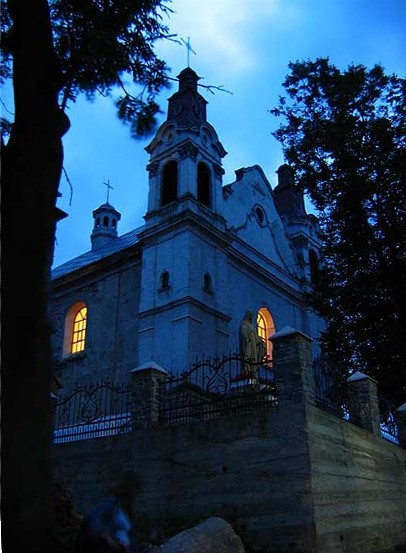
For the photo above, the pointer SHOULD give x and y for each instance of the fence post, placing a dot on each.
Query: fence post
(53, 399)
(292, 362)
(145, 381)
(363, 402)
(400, 419)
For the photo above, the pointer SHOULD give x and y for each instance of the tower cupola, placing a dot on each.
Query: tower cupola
(187, 107)
(188, 80)
(105, 225)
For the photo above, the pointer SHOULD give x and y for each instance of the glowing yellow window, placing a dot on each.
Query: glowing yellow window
(79, 331)
(266, 328)
(261, 325)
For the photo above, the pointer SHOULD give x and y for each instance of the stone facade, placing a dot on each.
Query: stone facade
(178, 287)
(292, 478)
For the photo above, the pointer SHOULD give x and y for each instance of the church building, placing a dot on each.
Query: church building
(177, 289)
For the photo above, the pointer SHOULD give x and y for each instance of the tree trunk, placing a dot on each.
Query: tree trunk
(31, 169)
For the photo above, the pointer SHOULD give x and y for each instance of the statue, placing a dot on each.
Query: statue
(252, 345)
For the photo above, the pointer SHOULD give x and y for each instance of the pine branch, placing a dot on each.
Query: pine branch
(209, 87)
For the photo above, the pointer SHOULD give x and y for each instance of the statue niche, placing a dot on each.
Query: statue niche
(252, 346)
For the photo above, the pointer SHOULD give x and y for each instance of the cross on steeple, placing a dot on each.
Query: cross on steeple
(109, 187)
(188, 48)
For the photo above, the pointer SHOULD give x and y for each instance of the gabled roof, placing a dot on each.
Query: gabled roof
(116, 245)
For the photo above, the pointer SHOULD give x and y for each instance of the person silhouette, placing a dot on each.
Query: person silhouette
(108, 526)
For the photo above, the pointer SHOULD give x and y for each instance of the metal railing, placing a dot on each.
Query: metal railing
(93, 411)
(333, 395)
(217, 387)
(388, 424)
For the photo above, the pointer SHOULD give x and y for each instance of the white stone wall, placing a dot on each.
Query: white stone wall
(251, 192)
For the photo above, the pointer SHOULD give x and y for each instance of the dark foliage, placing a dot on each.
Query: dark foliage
(104, 47)
(344, 134)
(53, 51)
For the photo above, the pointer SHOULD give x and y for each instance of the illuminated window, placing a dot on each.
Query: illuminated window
(75, 329)
(266, 328)
(79, 331)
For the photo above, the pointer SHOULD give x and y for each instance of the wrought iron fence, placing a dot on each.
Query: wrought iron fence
(332, 392)
(93, 411)
(334, 396)
(210, 389)
(388, 423)
(217, 387)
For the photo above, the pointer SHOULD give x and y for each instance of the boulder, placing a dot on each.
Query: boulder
(214, 535)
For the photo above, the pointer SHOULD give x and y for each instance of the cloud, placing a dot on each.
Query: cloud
(220, 30)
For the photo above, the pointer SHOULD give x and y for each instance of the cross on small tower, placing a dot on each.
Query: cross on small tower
(188, 48)
(109, 187)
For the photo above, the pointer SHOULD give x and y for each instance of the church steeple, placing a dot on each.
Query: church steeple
(187, 106)
(185, 172)
(184, 228)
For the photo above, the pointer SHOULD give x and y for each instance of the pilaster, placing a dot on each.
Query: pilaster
(292, 360)
(363, 402)
(145, 382)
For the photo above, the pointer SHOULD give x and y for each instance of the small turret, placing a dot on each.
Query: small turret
(302, 228)
(289, 200)
(105, 225)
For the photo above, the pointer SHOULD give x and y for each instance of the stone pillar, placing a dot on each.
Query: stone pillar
(187, 171)
(56, 385)
(53, 400)
(400, 419)
(292, 361)
(145, 394)
(363, 402)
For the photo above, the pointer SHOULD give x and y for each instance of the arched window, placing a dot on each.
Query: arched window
(207, 283)
(314, 266)
(164, 280)
(79, 331)
(105, 221)
(75, 329)
(259, 212)
(98, 222)
(169, 183)
(266, 328)
(203, 184)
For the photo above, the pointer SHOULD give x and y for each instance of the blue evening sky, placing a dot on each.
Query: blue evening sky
(246, 46)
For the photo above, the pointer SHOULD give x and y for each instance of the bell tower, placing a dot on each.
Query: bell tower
(185, 170)
(184, 280)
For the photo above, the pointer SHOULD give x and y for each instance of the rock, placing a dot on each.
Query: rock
(214, 535)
